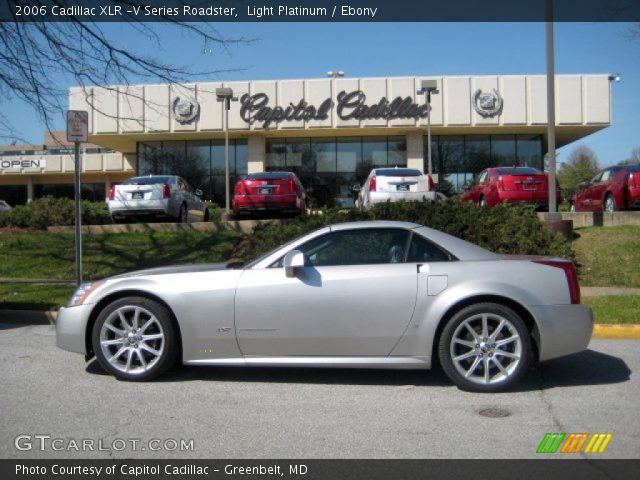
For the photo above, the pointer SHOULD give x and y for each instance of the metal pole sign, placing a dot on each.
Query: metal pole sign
(78, 131)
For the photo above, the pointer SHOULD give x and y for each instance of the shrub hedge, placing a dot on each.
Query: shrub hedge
(49, 211)
(506, 229)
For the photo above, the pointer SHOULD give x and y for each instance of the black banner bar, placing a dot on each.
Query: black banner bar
(495, 469)
(318, 10)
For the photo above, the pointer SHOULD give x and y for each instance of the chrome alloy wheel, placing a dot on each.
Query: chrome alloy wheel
(486, 349)
(132, 339)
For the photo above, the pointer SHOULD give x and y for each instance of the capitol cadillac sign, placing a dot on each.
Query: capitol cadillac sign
(349, 106)
(14, 165)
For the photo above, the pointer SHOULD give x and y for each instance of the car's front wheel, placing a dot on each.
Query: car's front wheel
(610, 203)
(572, 207)
(134, 339)
(485, 348)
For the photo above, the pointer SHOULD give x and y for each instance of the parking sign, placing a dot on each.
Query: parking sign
(77, 126)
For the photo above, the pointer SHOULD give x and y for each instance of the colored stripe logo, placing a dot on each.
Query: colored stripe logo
(574, 443)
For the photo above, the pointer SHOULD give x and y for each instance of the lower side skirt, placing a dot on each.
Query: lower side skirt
(395, 363)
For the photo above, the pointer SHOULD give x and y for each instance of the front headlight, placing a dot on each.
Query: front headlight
(82, 292)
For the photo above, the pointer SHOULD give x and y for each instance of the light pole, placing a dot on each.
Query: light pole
(226, 95)
(427, 88)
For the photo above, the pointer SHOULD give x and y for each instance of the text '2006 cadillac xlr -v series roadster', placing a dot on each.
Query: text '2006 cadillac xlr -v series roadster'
(361, 295)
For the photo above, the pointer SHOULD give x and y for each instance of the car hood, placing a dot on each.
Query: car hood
(198, 267)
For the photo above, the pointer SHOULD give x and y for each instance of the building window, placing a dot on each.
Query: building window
(14, 194)
(94, 192)
(457, 158)
(199, 162)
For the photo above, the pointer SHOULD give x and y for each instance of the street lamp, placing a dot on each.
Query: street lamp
(335, 73)
(614, 78)
(427, 88)
(226, 95)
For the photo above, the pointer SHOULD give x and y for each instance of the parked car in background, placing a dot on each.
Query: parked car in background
(394, 184)
(362, 294)
(4, 206)
(510, 184)
(166, 196)
(614, 188)
(269, 191)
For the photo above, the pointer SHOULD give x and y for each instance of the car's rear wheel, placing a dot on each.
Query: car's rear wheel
(483, 202)
(485, 348)
(610, 203)
(184, 214)
(134, 339)
(206, 215)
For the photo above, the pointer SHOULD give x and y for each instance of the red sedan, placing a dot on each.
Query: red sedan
(274, 191)
(510, 184)
(614, 188)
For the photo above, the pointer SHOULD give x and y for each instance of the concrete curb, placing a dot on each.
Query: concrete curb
(38, 317)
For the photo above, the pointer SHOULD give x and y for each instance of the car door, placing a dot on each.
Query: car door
(354, 297)
(598, 189)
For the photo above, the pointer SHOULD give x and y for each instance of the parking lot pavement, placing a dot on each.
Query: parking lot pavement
(306, 413)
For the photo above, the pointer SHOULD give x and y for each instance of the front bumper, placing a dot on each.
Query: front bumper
(563, 329)
(71, 328)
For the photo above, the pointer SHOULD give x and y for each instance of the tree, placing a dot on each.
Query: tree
(581, 166)
(39, 59)
(634, 159)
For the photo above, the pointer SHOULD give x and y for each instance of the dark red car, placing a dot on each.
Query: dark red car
(274, 191)
(614, 188)
(510, 184)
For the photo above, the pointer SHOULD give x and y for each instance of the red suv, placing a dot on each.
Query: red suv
(510, 184)
(276, 191)
(614, 188)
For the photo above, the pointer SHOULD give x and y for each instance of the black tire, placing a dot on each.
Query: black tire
(157, 364)
(610, 199)
(498, 381)
(482, 202)
(572, 207)
(183, 216)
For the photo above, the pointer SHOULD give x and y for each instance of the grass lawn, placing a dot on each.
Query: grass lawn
(609, 256)
(26, 296)
(41, 255)
(615, 308)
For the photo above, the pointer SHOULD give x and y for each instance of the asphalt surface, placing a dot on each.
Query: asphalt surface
(305, 413)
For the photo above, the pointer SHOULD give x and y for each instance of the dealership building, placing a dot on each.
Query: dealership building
(330, 131)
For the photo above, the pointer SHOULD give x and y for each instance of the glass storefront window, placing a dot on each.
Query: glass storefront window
(374, 152)
(478, 149)
(349, 154)
(275, 154)
(13, 194)
(529, 150)
(503, 150)
(397, 148)
(324, 150)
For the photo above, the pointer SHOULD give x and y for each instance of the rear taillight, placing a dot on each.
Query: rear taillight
(500, 183)
(570, 272)
(166, 191)
(240, 188)
(430, 183)
(372, 184)
(292, 185)
(112, 192)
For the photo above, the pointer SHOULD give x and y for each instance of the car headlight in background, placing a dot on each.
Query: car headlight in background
(82, 292)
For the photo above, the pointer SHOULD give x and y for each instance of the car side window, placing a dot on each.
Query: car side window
(597, 178)
(482, 177)
(422, 250)
(357, 247)
(606, 175)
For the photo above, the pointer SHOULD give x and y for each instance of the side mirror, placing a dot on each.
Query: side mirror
(356, 188)
(292, 261)
(583, 184)
(199, 192)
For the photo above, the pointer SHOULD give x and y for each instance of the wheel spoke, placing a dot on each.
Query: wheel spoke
(473, 367)
(147, 324)
(155, 336)
(118, 353)
(487, 375)
(469, 354)
(504, 341)
(149, 349)
(506, 354)
(485, 326)
(129, 357)
(136, 316)
(466, 343)
(143, 362)
(471, 331)
(115, 341)
(123, 319)
(498, 329)
(114, 329)
(500, 366)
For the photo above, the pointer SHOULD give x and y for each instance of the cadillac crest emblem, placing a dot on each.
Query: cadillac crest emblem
(487, 104)
(185, 110)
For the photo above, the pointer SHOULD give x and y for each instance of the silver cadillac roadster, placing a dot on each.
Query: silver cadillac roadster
(360, 295)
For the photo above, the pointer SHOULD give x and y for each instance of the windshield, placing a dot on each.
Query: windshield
(519, 171)
(398, 172)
